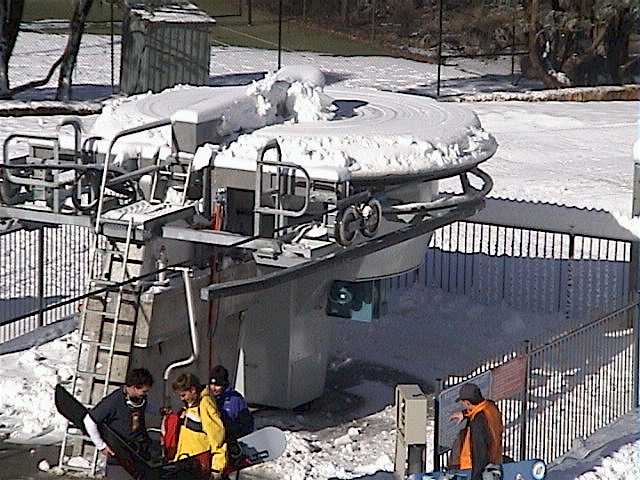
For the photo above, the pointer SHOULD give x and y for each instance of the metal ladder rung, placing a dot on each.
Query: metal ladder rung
(102, 313)
(105, 346)
(75, 468)
(110, 283)
(95, 375)
(116, 254)
(104, 282)
(78, 436)
(111, 252)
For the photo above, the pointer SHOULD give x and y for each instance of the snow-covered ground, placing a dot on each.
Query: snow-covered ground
(568, 153)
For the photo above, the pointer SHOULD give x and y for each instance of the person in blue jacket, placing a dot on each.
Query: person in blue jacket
(237, 419)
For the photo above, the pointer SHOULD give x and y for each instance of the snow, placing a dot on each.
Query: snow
(316, 127)
(622, 465)
(567, 153)
(27, 380)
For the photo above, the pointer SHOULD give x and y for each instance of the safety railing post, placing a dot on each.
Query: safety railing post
(436, 424)
(524, 417)
(636, 357)
(40, 279)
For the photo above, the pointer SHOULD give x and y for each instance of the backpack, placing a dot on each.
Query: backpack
(170, 432)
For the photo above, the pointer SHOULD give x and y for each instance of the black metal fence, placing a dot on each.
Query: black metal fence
(572, 385)
(577, 277)
(39, 269)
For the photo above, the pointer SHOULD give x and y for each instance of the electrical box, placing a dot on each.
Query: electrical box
(411, 430)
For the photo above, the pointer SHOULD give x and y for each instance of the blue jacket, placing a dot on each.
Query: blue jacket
(236, 416)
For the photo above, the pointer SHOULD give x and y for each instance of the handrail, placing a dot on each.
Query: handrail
(279, 164)
(7, 161)
(307, 197)
(107, 159)
(77, 132)
(470, 194)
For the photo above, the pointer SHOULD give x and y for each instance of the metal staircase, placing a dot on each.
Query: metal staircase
(107, 335)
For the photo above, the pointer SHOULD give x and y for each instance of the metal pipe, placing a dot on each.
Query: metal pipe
(193, 332)
(77, 130)
(470, 195)
(5, 152)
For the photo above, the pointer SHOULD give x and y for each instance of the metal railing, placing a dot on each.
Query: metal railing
(573, 385)
(39, 269)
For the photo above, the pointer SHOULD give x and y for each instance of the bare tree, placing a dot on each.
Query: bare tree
(580, 42)
(10, 16)
(70, 54)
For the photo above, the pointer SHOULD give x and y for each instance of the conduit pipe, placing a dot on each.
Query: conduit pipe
(193, 331)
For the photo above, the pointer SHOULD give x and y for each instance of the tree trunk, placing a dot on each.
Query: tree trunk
(344, 11)
(70, 55)
(536, 47)
(10, 17)
(616, 44)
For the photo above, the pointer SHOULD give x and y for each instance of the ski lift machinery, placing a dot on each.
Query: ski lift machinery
(290, 228)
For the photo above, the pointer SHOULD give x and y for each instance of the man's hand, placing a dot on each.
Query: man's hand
(457, 417)
(107, 451)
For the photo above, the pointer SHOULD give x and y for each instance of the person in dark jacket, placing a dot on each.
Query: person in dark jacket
(124, 411)
(480, 441)
(236, 416)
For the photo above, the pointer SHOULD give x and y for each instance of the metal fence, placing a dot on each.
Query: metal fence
(574, 384)
(536, 271)
(39, 269)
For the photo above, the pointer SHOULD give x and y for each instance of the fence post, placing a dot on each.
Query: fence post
(249, 12)
(436, 424)
(440, 13)
(279, 34)
(636, 357)
(524, 417)
(40, 274)
(112, 35)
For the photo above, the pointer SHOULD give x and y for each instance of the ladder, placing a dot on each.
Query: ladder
(107, 334)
